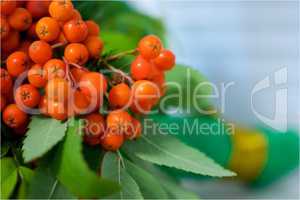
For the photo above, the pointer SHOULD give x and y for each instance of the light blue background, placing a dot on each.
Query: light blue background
(243, 42)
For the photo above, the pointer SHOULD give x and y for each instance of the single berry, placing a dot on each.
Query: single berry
(135, 130)
(120, 96)
(93, 28)
(57, 110)
(77, 73)
(16, 63)
(145, 92)
(76, 53)
(112, 141)
(38, 9)
(80, 103)
(150, 46)
(140, 69)
(20, 19)
(94, 45)
(13, 116)
(93, 85)
(47, 29)
(75, 31)
(40, 52)
(165, 60)
(61, 10)
(94, 128)
(119, 121)
(27, 96)
(57, 89)
(36, 76)
(54, 68)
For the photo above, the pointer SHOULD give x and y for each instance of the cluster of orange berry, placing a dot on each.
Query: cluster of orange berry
(33, 33)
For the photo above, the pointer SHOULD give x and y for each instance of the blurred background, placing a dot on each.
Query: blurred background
(242, 42)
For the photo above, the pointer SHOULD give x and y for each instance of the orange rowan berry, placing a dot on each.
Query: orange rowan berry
(10, 42)
(94, 128)
(77, 73)
(57, 110)
(150, 46)
(94, 45)
(140, 69)
(47, 29)
(76, 53)
(76, 15)
(165, 60)
(27, 96)
(36, 76)
(135, 130)
(61, 10)
(16, 63)
(7, 6)
(80, 103)
(119, 121)
(93, 84)
(93, 28)
(54, 68)
(4, 27)
(120, 96)
(140, 107)
(40, 52)
(13, 116)
(57, 89)
(20, 19)
(75, 31)
(145, 92)
(38, 9)
(112, 141)
(6, 81)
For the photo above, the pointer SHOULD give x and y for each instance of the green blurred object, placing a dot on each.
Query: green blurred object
(281, 148)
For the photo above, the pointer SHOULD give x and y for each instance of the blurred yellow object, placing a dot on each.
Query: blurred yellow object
(249, 153)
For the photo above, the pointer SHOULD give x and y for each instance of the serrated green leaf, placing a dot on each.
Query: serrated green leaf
(72, 170)
(169, 184)
(43, 134)
(165, 150)
(185, 86)
(113, 169)
(9, 177)
(26, 175)
(44, 185)
(149, 185)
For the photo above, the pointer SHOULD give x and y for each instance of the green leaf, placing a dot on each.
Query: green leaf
(149, 185)
(45, 186)
(43, 134)
(4, 148)
(116, 42)
(168, 151)
(93, 156)
(72, 170)
(9, 177)
(26, 175)
(185, 85)
(169, 184)
(113, 169)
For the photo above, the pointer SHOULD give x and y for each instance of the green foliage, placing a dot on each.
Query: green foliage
(26, 175)
(119, 16)
(9, 176)
(43, 134)
(112, 168)
(4, 148)
(72, 170)
(184, 85)
(149, 185)
(166, 150)
(45, 186)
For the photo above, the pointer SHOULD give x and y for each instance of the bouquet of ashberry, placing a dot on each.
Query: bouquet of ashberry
(58, 89)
